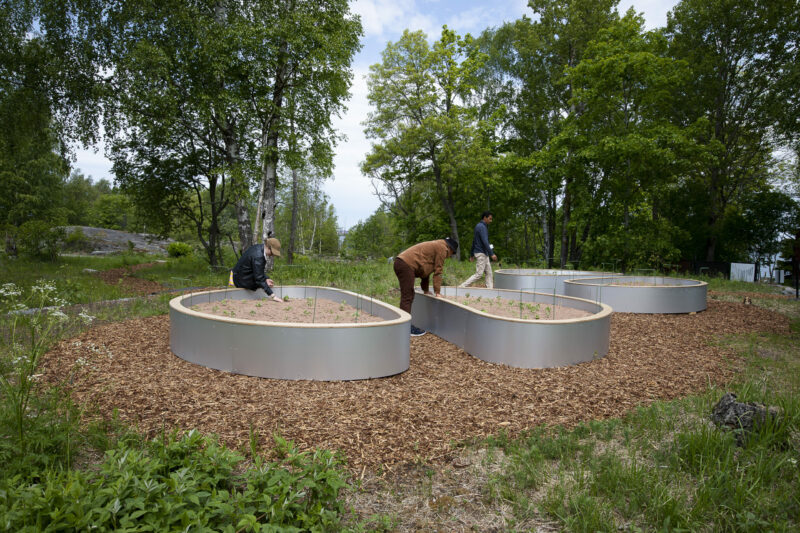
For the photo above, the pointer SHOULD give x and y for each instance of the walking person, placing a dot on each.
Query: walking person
(249, 272)
(482, 251)
(420, 261)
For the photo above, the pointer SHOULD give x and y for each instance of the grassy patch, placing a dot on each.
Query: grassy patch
(666, 466)
(72, 275)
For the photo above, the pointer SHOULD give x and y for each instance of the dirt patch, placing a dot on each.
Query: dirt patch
(446, 395)
(293, 310)
(123, 276)
(508, 308)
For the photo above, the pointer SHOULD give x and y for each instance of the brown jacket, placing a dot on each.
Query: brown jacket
(427, 258)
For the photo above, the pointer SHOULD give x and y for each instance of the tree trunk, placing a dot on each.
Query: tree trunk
(238, 182)
(293, 226)
(565, 223)
(446, 197)
(265, 218)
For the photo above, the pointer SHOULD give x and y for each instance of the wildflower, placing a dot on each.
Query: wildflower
(58, 315)
(85, 317)
(43, 287)
(9, 290)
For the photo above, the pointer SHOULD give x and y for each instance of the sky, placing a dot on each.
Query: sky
(383, 21)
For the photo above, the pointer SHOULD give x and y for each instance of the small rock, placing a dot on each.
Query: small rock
(740, 417)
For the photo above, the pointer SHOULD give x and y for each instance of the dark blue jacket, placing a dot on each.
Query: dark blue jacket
(249, 270)
(480, 240)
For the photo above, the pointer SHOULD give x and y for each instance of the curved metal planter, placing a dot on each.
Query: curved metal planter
(281, 350)
(516, 342)
(536, 279)
(657, 295)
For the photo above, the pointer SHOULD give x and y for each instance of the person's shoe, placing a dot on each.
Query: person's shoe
(416, 332)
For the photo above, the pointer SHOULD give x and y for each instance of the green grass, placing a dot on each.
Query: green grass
(68, 273)
(665, 466)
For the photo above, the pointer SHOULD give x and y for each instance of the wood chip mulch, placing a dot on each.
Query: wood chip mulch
(124, 276)
(446, 396)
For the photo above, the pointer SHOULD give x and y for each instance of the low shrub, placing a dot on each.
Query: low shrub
(77, 241)
(179, 249)
(39, 240)
(180, 483)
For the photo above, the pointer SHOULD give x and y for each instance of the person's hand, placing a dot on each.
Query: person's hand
(270, 283)
(471, 258)
(276, 299)
(494, 258)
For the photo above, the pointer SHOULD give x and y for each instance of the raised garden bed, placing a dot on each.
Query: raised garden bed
(538, 280)
(316, 350)
(517, 342)
(642, 294)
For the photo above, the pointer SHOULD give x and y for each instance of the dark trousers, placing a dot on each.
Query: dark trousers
(405, 275)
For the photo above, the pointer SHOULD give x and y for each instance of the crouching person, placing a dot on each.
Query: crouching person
(420, 261)
(250, 271)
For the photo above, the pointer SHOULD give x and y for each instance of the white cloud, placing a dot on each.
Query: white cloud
(379, 17)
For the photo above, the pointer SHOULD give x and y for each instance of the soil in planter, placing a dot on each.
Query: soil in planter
(295, 311)
(643, 284)
(508, 308)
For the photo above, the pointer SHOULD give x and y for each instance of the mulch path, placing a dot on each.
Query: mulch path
(446, 396)
(124, 276)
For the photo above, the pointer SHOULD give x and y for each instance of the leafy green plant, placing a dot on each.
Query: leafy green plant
(30, 326)
(179, 249)
(39, 240)
(179, 483)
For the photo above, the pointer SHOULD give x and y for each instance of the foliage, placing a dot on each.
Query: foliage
(177, 483)
(736, 53)
(316, 223)
(36, 428)
(376, 237)
(179, 249)
(432, 151)
(38, 239)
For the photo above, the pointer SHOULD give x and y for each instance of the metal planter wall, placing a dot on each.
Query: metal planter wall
(535, 279)
(290, 350)
(642, 294)
(516, 342)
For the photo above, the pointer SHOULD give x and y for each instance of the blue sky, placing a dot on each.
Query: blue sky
(384, 20)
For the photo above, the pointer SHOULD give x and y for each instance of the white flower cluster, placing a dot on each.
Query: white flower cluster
(9, 290)
(85, 317)
(44, 287)
(22, 360)
(58, 315)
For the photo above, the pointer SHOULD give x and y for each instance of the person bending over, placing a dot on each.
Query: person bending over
(420, 261)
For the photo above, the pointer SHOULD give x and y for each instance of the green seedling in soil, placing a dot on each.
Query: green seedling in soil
(286, 298)
(310, 302)
(252, 312)
(258, 305)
